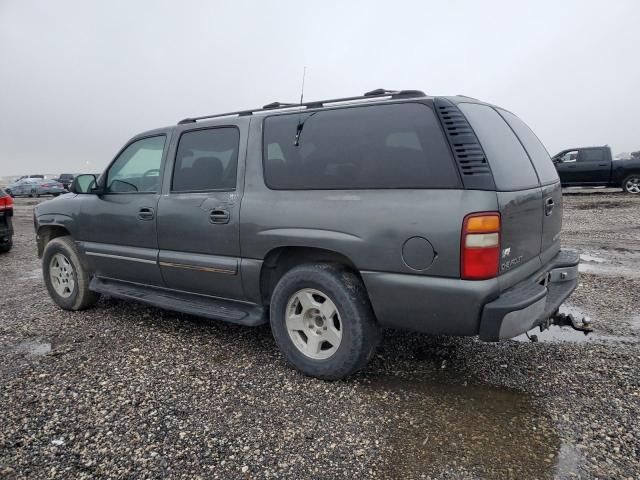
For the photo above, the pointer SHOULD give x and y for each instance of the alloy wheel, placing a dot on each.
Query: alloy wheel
(632, 185)
(313, 323)
(61, 275)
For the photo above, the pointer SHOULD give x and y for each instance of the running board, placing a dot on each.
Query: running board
(199, 305)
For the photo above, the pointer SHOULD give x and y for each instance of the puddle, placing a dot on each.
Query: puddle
(586, 257)
(616, 263)
(442, 430)
(33, 348)
(556, 334)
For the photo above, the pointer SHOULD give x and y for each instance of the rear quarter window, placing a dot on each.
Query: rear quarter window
(509, 162)
(539, 155)
(368, 147)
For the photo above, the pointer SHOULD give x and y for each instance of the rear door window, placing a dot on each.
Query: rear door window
(509, 162)
(539, 155)
(591, 155)
(206, 160)
(368, 147)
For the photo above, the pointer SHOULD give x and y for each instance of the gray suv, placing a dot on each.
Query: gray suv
(330, 219)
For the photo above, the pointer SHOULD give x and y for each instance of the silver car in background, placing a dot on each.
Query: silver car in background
(34, 187)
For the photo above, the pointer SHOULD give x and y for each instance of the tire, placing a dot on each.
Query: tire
(76, 295)
(631, 184)
(354, 321)
(6, 248)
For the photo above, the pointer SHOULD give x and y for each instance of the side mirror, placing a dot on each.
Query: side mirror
(83, 184)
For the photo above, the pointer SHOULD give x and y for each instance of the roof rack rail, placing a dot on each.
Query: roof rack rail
(378, 93)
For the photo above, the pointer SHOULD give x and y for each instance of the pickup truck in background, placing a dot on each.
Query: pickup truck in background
(595, 167)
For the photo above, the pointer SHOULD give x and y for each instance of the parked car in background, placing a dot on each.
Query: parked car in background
(393, 209)
(6, 226)
(35, 187)
(596, 167)
(66, 179)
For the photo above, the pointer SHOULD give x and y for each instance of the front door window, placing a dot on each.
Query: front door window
(137, 168)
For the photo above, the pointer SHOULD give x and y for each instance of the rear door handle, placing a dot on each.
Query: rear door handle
(548, 206)
(146, 213)
(219, 215)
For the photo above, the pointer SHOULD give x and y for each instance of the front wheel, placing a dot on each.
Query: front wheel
(322, 321)
(631, 184)
(65, 276)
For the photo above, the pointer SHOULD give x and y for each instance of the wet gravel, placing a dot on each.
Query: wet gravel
(128, 391)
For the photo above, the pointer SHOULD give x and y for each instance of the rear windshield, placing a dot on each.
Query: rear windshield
(510, 164)
(539, 155)
(368, 147)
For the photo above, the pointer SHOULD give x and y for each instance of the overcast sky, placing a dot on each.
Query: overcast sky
(78, 78)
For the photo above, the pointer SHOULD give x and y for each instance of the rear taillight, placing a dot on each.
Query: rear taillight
(480, 246)
(6, 203)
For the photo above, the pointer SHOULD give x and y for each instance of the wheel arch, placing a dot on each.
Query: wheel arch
(46, 233)
(280, 260)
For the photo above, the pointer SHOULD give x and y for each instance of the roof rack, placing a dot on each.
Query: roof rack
(378, 93)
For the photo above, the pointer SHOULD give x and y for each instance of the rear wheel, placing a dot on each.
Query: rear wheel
(631, 184)
(5, 248)
(322, 321)
(66, 278)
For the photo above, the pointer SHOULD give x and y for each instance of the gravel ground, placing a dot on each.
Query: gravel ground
(128, 391)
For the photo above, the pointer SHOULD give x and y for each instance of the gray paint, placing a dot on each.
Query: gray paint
(404, 243)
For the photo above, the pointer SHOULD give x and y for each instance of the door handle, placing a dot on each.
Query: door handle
(603, 164)
(146, 213)
(548, 206)
(219, 215)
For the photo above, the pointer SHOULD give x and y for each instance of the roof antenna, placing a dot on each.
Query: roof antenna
(304, 72)
(300, 124)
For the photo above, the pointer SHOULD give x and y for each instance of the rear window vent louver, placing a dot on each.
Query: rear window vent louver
(466, 148)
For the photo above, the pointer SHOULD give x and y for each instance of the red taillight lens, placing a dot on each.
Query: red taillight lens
(480, 246)
(6, 202)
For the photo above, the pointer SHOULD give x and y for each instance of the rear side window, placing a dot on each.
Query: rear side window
(539, 155)
(369, 147)
(591, 155)
(206, 160)
(510, 165)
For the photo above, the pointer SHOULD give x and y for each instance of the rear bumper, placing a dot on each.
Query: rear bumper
(532, 301)
(451, 306)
